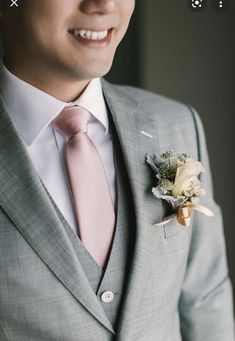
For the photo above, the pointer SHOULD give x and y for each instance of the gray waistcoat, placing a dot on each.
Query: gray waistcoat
(113, 276)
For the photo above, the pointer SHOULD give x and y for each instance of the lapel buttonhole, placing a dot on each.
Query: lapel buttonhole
(146, 134)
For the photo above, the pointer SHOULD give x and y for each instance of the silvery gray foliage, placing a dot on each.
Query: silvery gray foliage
(165, 165)
(154, 161)
(175, 202)
(165, 185)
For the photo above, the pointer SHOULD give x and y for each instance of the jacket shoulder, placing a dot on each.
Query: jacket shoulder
(155, 105)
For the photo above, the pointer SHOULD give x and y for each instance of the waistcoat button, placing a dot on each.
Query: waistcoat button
(107, 296)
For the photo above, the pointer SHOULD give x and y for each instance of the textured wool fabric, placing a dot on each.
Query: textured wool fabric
(177, 287)
(92, 199)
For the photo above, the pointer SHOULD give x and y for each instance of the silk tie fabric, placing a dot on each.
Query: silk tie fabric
(92, 200)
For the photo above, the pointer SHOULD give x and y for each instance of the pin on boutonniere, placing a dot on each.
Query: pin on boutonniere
(178, 184)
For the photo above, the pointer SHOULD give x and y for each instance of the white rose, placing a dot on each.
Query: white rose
(186, 175)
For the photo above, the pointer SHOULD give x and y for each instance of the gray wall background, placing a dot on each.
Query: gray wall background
(190, 57)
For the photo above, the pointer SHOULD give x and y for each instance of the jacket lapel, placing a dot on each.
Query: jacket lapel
(24, 200)
(130, 125)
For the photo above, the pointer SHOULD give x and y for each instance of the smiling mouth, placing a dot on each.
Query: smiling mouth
(91, 36)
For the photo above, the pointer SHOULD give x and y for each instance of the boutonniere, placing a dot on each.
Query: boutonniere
(178, 184)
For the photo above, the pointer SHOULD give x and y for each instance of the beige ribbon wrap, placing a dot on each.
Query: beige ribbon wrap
(184, 214)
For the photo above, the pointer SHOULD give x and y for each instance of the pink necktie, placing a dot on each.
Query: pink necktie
(92, 199)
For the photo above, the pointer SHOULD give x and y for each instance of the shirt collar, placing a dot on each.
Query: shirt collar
(32, 110)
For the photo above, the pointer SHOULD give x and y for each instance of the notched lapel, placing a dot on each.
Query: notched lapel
(24, 200)
(129, 124)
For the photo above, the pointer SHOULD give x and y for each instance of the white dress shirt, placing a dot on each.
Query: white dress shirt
(32, 111)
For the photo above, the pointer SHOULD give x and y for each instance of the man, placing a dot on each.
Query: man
(80, 258)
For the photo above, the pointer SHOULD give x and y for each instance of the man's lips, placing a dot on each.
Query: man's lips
(92, 37)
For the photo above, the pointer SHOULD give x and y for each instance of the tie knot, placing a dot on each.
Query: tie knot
(72, 121)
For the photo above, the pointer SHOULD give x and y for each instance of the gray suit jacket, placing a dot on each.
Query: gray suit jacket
(178, 286)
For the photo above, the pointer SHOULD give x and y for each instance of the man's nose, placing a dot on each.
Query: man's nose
(98, 6)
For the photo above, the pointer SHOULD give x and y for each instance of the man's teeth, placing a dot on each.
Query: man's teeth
(91, 35)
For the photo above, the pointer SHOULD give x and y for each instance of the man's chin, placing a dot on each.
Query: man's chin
(94, 70)
(97, 73)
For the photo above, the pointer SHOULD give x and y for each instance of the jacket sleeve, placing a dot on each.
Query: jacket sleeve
(205, 305)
